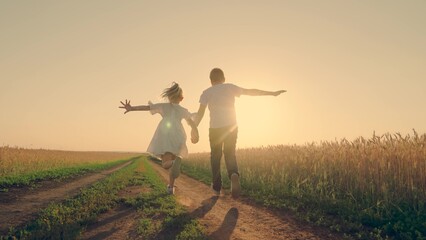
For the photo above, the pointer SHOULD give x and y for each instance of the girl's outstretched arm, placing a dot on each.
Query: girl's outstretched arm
(257, 92)
(126, 105)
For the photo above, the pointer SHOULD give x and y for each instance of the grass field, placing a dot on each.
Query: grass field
(15, 160)
(19, 166)
(157, 211)
(367, 188)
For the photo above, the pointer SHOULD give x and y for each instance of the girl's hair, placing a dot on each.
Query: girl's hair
(172, 93)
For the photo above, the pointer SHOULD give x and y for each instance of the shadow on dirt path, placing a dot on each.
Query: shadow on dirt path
(226, 218)
(21, 204)
(228, 225)
(117, 223)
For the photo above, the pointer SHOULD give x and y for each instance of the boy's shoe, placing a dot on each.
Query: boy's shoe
(170, 190)
(235, 185)
(216, 193)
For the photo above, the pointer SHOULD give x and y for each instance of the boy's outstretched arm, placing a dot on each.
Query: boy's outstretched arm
(200, 114)
(126, 105)
(257, 92)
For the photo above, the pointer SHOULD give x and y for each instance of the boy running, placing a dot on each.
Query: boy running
(220, 99)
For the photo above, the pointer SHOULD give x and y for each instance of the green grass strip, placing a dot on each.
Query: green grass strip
(65, 220)
(54, 174)
(161, 216)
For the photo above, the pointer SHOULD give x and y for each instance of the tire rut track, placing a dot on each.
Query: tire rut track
(21, 205)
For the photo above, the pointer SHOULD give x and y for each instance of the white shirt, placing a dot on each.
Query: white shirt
(220, 100)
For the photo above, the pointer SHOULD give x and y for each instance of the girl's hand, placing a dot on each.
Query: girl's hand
(279, 92)
(194, 136)
(126, 105)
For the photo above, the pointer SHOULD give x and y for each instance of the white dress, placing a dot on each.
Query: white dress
(170, 135)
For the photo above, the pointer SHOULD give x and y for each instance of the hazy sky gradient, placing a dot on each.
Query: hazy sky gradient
(350, 68)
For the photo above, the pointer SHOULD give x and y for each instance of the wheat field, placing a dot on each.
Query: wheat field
(15, 160)
(378, 169)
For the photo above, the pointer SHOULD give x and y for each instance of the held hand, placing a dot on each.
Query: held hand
(194, 136)
(126, 105)
(279, 92)
(195, 140)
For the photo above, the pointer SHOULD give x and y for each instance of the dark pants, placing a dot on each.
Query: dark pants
(223, 138)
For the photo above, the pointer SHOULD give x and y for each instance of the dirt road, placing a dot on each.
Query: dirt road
(222, 216)
(226, 218)
(19, 205)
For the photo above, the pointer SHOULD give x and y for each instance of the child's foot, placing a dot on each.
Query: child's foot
(170, 190)
(235, 185)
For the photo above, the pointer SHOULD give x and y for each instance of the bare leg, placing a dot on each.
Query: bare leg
(174, 171)
(167, 159)
(171, 180)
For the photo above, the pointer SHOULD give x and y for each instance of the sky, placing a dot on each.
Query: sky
(351, 68)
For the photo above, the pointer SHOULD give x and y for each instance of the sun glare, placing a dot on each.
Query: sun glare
(258, 121)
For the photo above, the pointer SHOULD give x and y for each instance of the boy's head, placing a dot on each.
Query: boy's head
(217, 76)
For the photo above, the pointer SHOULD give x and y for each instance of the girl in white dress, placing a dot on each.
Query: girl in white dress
(169, 140)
